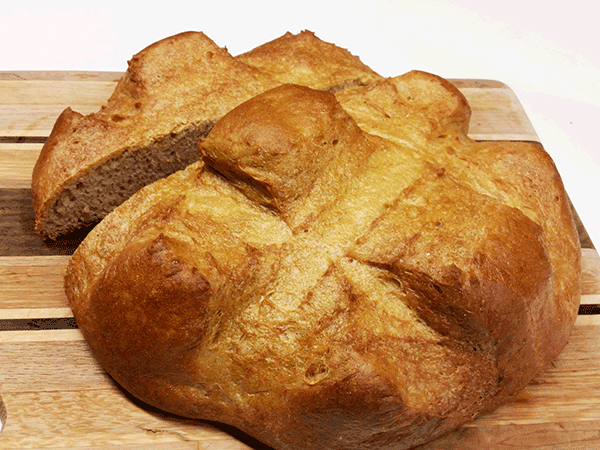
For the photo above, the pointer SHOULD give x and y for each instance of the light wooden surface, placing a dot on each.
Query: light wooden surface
(55, 394)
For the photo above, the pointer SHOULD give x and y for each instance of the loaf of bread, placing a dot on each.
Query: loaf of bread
(172, 94)
(337, 271)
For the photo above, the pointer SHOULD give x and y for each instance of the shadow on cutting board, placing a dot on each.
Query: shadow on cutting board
(230, 430)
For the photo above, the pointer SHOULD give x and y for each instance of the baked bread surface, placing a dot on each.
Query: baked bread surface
(304, 59)
(171, 95)
(337, 271)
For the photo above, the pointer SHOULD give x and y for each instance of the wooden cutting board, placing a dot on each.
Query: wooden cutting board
(55, 394)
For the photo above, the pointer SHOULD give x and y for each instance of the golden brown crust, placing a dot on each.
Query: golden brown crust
(42, 178)
(410, 281)
(273, 162)
(417, 105)
(520, 175)
(300, 59)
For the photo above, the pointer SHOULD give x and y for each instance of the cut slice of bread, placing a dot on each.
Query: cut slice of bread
(171, 95)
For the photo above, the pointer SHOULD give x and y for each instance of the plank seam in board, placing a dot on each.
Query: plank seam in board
(586, 310)
(38, 324)
(23, 139)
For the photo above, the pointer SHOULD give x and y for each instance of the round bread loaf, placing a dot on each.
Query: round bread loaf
(336, 272)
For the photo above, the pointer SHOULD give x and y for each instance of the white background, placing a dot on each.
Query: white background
(547, 52)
